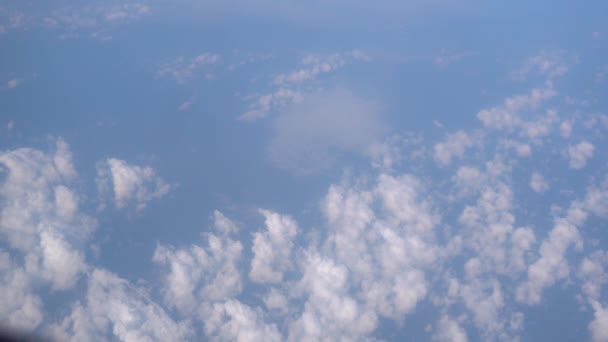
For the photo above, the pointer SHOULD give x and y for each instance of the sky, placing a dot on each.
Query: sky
(333, 170)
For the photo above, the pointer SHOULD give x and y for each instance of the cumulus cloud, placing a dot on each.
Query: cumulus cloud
(183, 70)
(40, 211)
(308, 137)
(131, 185)
(202, 273)
(114, 309)
(579, 154)
(449, 330)
(599, 326)
(453, 147)
(507, 115)
(288, 87)
(272, 249)
(552, 264)
(95, 21)
(20, 307)
(234, 321)
(548, 64)
(538, 182)
(41, 221)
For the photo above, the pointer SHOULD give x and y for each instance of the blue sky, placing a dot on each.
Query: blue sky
(304, 171)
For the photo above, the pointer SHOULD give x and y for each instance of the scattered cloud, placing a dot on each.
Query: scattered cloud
(309, 136)
(288, 87)
(538, 182)
(131, 185)
(579, 154)
(183, 70)
(548, 64)
(454, 146)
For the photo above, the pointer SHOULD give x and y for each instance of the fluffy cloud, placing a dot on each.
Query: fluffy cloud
(272, 249)
(599, 326)
(288, 87)
(552, 264)
(507, 115)
(449, 330)
(20, 307)
(132, 185)
(453, 147)
(116, 310)
(200, 273)
(308, 137)
(40, 215)
(42, 223)
(182, 69)
(313, 66)
(234, 321)
(538, 182)
(579, 154)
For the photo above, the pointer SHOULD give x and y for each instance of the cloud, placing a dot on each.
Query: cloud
(277, 100)
(538, 182)
(13, 83)
(95, 21)
(183, 70)
(506, 116)
(288, 87)
(599, 326)
(548, 64)
(234, 321)
(308, 137)
(20, 307)
(272, 249)
(449, 330)
(579, 154)
(453, 147)
(199, 274)
(132, 185)
(42, 224)
(116, 310)
(40, 215)
(313, 66)
(552, 264)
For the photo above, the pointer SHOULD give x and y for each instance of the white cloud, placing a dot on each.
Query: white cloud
(599, 326)
(196, 274)
(552, 264)
(200, 273)
(114, 309)
(272, 248)
(183, 70)
(313, 66)
(453, 147)
(579, 154)
(96, 21)
(13, 83)
(235, 321)
(20, 307)
(288, 87)
(308, 137)
(592, 272)
(40, 215)
(131, 184)
(279, 99)
(565, 128)
(447, 58)
(548, 64)
(596, 200)
(329, 312)
(449, 330)
(507, 115)
(538, 182)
